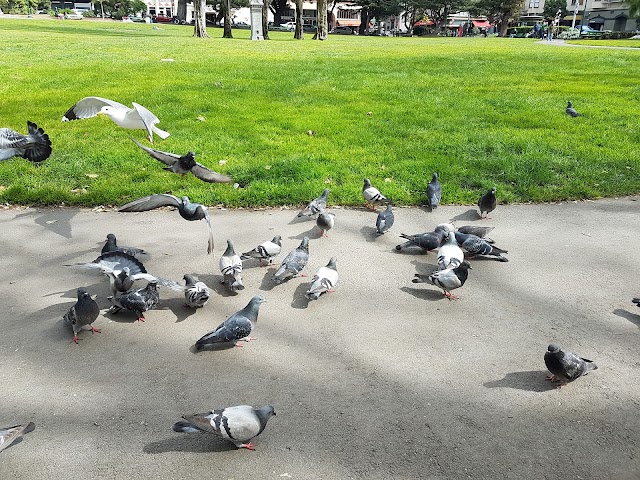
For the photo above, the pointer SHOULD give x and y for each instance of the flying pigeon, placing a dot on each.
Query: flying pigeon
(185, 164)
(323, 281)
(188, 210)
(566, 367)
(196, 293)
(111, 245)
(83, 313)
(325, 222)
(450, 255)
(477, 231)
(35, 146)
(11, 435)
(434, 192)
(315, 206)
(487, 202)
(237, 424)
(265, 251)
(477, 246)
(137, 301)
(294, 262)
(235, 328)
(447, 280)
(571, 111)
(231, 268)
(426, 241)
(372, 195)
(136, 118)
(385, 220)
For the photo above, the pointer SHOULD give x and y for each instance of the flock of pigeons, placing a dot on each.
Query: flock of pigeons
(121, 265)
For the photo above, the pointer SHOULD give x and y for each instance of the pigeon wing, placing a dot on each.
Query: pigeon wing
(152, 201)
(165, 157)
(10, 435)
(206, 175)
(89, 107)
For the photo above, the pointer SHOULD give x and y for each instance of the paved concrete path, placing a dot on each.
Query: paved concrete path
(382, 379)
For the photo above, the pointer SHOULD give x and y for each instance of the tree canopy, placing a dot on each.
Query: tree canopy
(634, 7)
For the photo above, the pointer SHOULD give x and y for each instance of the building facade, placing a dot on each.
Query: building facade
(598, 14)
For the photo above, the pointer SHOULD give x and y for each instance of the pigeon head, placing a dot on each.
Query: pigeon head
(258, 299)
(82, 293)
(493, 190)
(188, 161)
(185, 200)
(264, 413)
(325, 193)
(465, 266)
(569, 104)
(111, 236)
(367, 184)
(190, 279)
(332, 263)
(304, 245)
(434, 177)
(277, 240)
(124, 273)
(553, 348)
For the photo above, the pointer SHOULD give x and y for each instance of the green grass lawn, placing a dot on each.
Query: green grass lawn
(608, 43)
(479, 111)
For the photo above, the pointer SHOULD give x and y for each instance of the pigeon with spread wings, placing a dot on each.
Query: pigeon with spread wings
(35, 146)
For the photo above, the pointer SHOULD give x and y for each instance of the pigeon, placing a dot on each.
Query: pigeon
(315, 206)
(196, 293)
(294, 262)
(477, 231)
(325, 222)
(323, 281)
(185, 164)
(372, 195)
(434, 192)
(136, 118)
(137, 301)
(487, 202)
(237, 424)
(566, 367)
(571, 111)
(83, 313)
(447, 280)
(111, 245)
(11, 435)
(385, 220)
(450, 255)
(636, 301)
(426, 241)
(265, 251)
(35, 146)
(477, 246)
(235, 328)
(188, 210)
(231, 268)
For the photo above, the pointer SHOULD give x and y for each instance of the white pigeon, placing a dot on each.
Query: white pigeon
(372, 195)
(136, 118)
(196, 293)
(450, 255)
(265, 251)
(325, 279)
(231, 268)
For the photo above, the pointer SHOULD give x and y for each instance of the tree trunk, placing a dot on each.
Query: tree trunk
(227, 19)
(364, 21)
(182, 10)
(265, 19)
(200, 26)
(321, 27)
(299, 33)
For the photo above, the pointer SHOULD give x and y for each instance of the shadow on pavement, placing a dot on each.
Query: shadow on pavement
(627, 315)
(532, 381)
(186, 442)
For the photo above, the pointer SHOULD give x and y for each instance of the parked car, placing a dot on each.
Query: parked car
(162, 19)
(587, 31)
(342, 31)
(73, 15)
(277, 28)
(309, 28)
(136, 19)
(289, 25)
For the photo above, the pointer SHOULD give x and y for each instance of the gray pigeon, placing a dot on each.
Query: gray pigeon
(478, 231)
(487, 202)
(35, 146)
(477, 246)
(325, 279)
(83, 313)
(571, 111)
(188, 210)
(196, 293)
(385, 220)
(372, 195)
(13, 435)
(231, 268)
(447, 280)
(315, 206)
(293, 263)
(265, 251)
(138, 301)
(636, 301)
(566, 367)
(426, 241)
(450, 255)
(185, 164)
(237, 424)
(434, 192)
(237, 327)
(325, 222)
(111, 245)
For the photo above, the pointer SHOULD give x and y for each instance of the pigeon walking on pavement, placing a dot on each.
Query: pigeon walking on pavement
(265, 251)
(564, 366)
(325, 222)
(238, 424)
(185, 164)
(478, 231)
(372, 195)
(636, 301)
(571, 111)
(477, 246)
(235, 328)
(13, 435)
(231, 268)
(447, 280)
(325, 280)
(450, 255)
(35, 146)
(188, 210)
(196, 293)
(385, 220)
(111, 245)
(137, 301)
(293, 263)
(434, 191)
(487, 202)
(315, 206)
(82, 314)
(426, 241)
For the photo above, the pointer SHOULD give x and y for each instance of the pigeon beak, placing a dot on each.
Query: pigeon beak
(93, 297)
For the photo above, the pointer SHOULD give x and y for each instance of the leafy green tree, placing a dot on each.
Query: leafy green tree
(551, 8)
(376, 9)
(439, 10)
(19, 7)
(634, 7)
(123, 8)
(500, 12)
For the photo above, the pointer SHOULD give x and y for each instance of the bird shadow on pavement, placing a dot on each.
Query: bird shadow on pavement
(424, 268)
(214, 282)
(627, 315)
(179, 309)
(313, 233)
(424, 294)
(299, 299)
(303, 219)
(471, 214)
(531, 380)
(213, 347)
(101, 287)
(370, 234)
(268, 283)
(57, 221)
(194, 443)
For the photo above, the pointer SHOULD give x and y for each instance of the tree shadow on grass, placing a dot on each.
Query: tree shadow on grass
(532, 381)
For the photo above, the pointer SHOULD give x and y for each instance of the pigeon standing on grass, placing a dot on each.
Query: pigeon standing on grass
(13, 435)
(293, 263)
(372, 195)
(196, 293)
(325, 222)
(434, 191)
(487, 202)
(82, 314)
(385, 220)
(325, 279)
(111, 245)
(571, 111)
(477, 246)
(450, 255)
(35, 146)
(426, 241)
(265, 251)
(237, 424)
(231, 268)
(447, 280)
(138, 301)
(235, 328)
(315, 206)
(566, 367)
